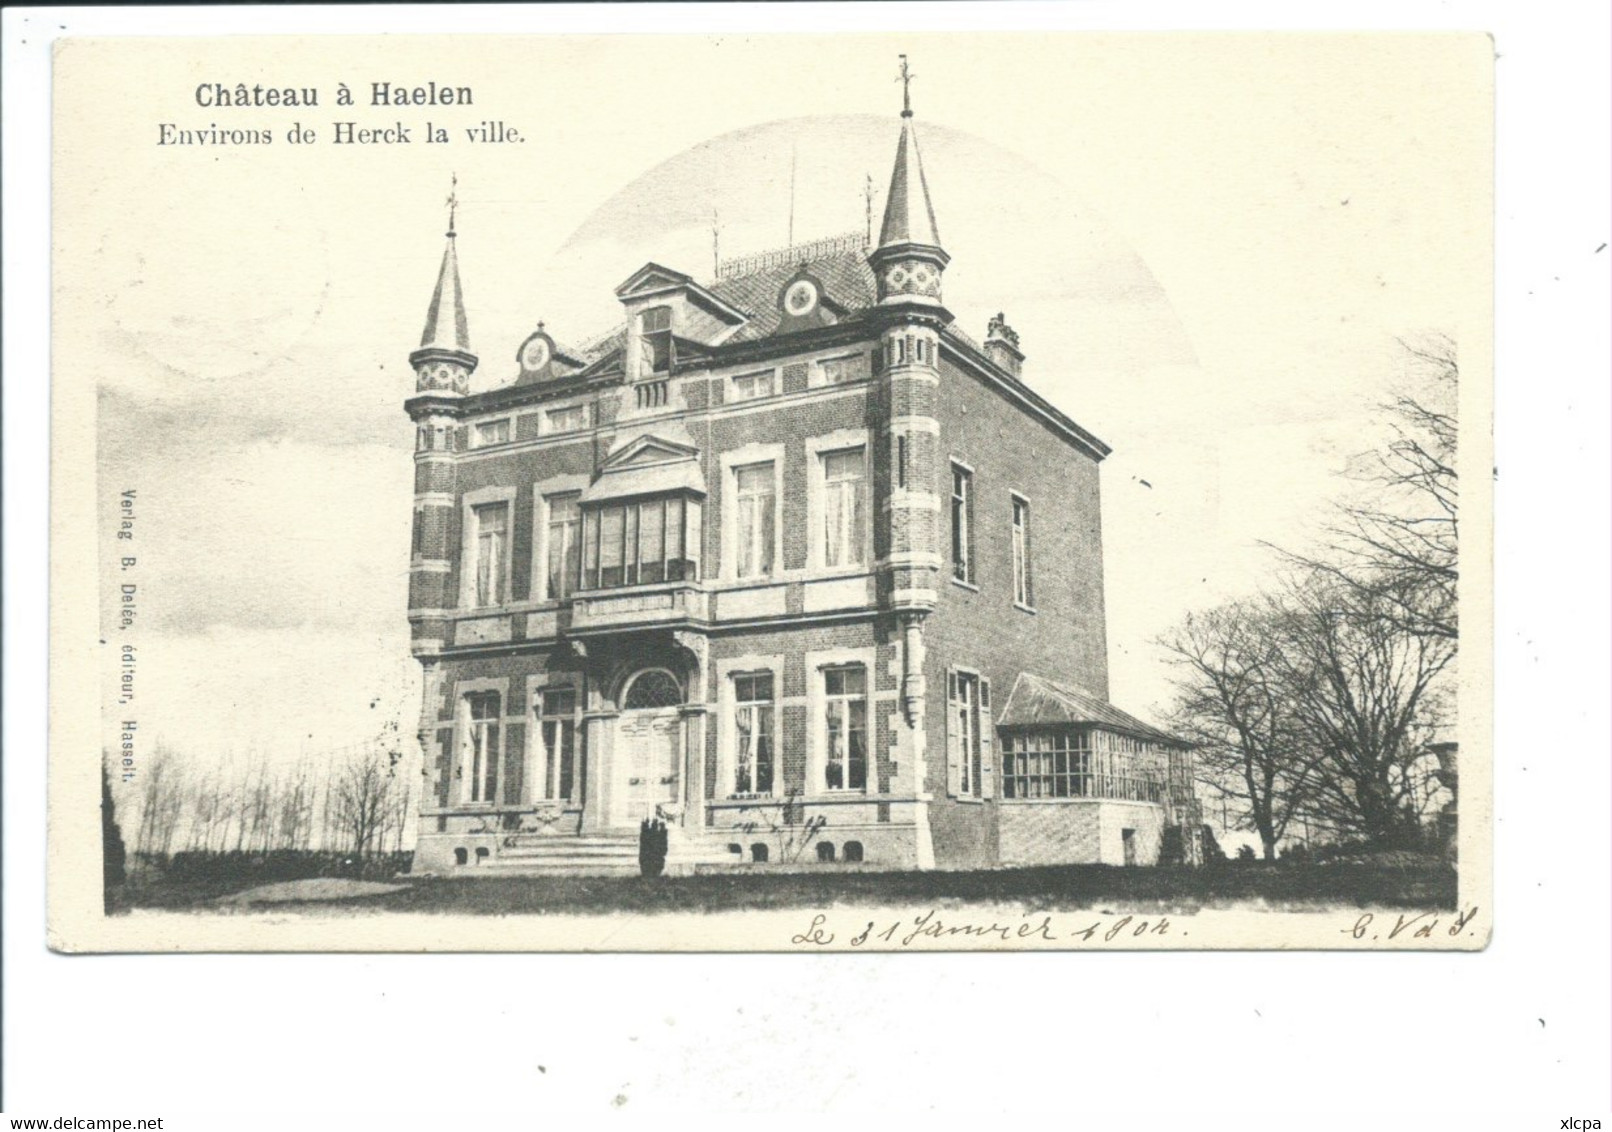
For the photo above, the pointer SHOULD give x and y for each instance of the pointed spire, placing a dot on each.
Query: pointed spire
(908, 260)
(444, 362)
(909, 217)
(446, 327)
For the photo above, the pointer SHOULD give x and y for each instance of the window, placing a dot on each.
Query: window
(655, 327)
(492, 432)
(492, 553)
(853, 851)
(749, 386)
(568, 418)
(652, 688)
(642, 542)
(845, 692)
(482, 747)
(968, 733)
(1079, 763)
(825, 852)
(1021, 552)
(564, 545)
(1047, 765)
(901, 460)
(557, 731)
(844, 508)
(962, 523)
(839, 371)
(753, 733)
(755, 520)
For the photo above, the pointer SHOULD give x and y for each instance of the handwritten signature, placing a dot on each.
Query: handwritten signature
(930, 926)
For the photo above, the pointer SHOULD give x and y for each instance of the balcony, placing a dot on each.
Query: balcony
(677, 603)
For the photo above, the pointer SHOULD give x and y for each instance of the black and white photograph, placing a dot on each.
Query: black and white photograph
(864, 522)
(907, 561)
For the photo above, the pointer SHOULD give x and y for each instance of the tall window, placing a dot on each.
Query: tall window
(482, 747)
(565, 545)
(557, 730)
(962, 523)
(655, 325)
(753, 734)
(754, 519)
(968, 732)
(845, 694)
(965, 707)
(637, 543)
(492, 550)
(1021, 551)
(844, 508)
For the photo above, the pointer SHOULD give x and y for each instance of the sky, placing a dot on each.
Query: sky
(1208, 244)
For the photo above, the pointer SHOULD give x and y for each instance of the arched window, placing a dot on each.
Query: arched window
(652, 688)
(758, 852)
(825, 851)
(853, 851)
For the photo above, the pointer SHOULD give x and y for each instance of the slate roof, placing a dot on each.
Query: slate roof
(847, 282)
(848, 286)
(1038, 702)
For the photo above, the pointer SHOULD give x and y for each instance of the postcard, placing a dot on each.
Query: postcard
(895, 493)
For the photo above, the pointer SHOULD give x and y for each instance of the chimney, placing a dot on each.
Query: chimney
(1002, 345)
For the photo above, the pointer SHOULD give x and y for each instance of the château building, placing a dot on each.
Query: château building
(787, 561)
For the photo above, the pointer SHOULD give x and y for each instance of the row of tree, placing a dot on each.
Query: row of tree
(356, 800)
(1324, 699)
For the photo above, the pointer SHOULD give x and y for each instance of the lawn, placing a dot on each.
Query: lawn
(1294, 887)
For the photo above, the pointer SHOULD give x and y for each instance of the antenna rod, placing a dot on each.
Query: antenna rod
(792, 156)
(867, 194)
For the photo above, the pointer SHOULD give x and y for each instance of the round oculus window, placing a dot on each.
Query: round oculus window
(801, 298)
(535, 354)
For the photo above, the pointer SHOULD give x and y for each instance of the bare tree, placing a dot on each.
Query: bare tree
(1231, 703)
(1362, 685)
(1400, 536)
(162, 803)
(361, 794)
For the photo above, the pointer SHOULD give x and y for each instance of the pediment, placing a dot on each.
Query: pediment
(652, 277)
(648, 449)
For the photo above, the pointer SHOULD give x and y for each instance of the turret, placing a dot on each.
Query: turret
(908, 261)
(442, 365)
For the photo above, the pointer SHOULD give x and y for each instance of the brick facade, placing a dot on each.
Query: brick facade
(871, 673)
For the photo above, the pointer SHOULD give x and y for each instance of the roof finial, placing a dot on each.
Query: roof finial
(905, 79)
(453, 204)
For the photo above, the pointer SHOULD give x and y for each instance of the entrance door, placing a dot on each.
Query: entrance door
(648, 764)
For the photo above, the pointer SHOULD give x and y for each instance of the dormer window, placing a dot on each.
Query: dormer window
(655, 330)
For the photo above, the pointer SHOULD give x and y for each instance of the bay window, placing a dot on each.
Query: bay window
(640, 542)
